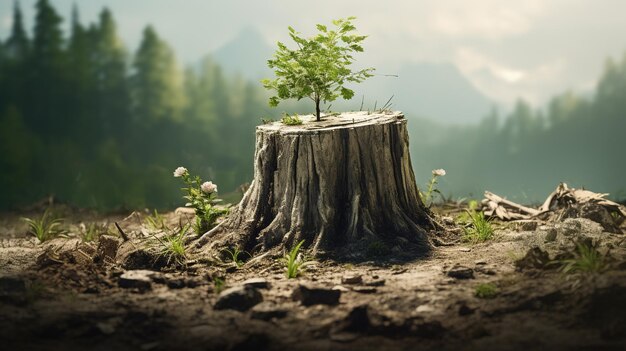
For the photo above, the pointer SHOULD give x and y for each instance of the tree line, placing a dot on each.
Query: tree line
(524, 154)
(84, 119)
(96, 126)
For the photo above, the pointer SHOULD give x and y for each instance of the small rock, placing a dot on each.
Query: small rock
(376, 282)
(461, 272)
(341, 288)
(132, 257)
(535, 258)
(267, 311)
(357, 320)
(239, 298)
(259, 283)
(107, 249)
(424, 309)
(528, 226)
(136, 279)
(551, 235)
(465, 310)
(176, 283)
(352, 279)
(364, 289)
(309, 296)
(484, 270)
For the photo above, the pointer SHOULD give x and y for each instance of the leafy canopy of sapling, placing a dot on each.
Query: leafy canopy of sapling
(319, 68)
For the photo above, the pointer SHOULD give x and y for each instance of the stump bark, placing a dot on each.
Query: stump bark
(343, 182)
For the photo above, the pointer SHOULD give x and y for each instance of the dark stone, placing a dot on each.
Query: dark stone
(143, 259)
(465, 310)
(136, 279)
(529, 226)
(259, 283)
(315, 296)
(239, 298)
(535, 258)
(107, 249)
(365, 289)
(376, 282)
(461, 272)
(267, 311)
(551, 235)
(357, 320)
(352, 279)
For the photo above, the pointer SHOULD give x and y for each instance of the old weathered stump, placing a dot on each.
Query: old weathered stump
(343, 182)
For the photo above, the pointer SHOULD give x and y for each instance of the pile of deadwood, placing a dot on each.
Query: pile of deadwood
(562, 203)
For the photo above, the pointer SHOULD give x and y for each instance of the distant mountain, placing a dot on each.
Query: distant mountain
(246, 54)
(437, 91)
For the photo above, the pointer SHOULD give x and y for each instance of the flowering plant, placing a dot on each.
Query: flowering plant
(427, 197)
(202, 197)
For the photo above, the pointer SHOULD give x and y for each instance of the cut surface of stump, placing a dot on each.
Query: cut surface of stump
(343, 183)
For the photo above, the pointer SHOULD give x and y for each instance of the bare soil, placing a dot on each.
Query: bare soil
(61, 295)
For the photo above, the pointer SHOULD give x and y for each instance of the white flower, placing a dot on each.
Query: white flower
(439, 172)
(180, 171)
(208, 187)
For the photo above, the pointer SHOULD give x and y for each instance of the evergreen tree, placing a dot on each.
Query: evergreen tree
(156, 83)
(17, 45)
(81, 80)
(48, 79)
(113, 105)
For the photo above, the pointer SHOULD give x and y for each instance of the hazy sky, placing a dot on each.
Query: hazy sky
(530, 48)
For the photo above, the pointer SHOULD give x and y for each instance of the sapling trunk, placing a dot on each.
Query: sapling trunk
(317, 109)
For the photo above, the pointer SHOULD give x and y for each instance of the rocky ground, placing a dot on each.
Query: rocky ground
(508, 293)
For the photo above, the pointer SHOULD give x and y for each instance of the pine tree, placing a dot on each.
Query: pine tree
(112, 107)
(48, 80)
(156, 83)
(17, 45)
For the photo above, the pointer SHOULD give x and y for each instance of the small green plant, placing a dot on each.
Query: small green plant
(234, 256)
(586, 259)
(291, 120)
(173, 246)
(480, 228)
(320, 66)
(218, 285)
(92, 231)
(295, 262)
(427, 197)
(202, 197)
(156, 221)
(486, 291)
(48, 226)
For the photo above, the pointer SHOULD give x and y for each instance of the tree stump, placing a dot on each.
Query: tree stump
(341, 183)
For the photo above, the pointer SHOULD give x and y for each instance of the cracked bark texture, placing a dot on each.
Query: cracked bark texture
(338, 183)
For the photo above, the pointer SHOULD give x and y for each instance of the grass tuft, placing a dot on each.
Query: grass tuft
(92, 231)
(486, 291)
(295, 262)
(234, 256)
(480, 229)
(156, 221)
(291, 120)
(586, 259)
(173, 246)
(47, 227)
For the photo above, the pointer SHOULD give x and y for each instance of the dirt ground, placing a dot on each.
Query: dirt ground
(66, 294)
